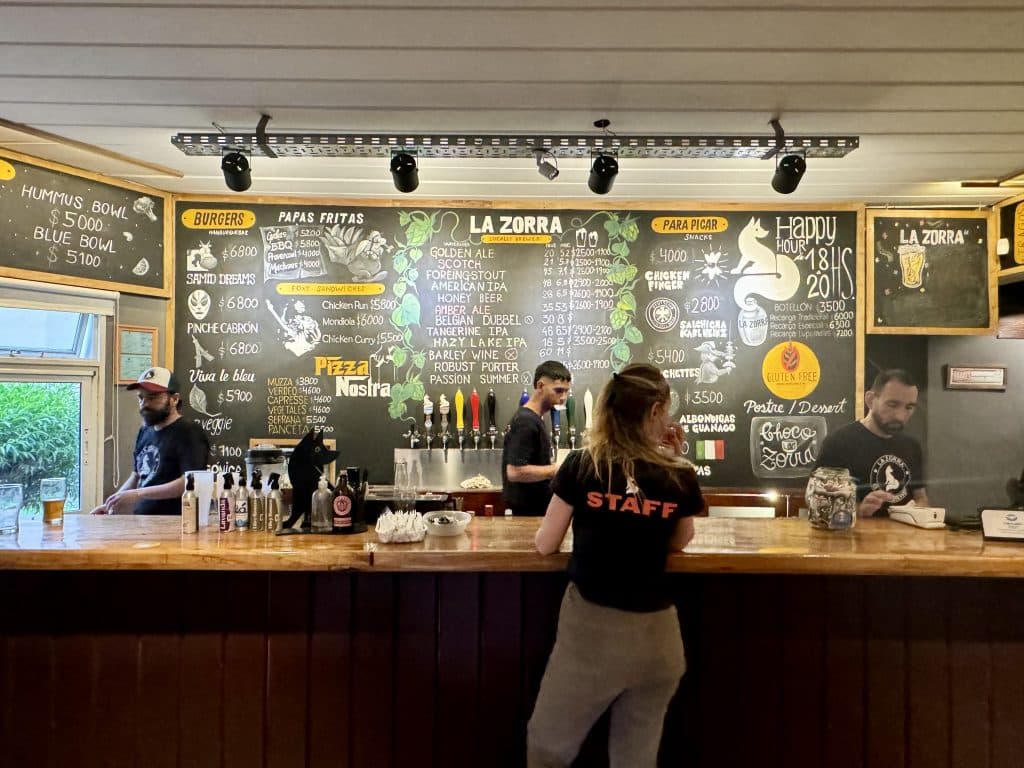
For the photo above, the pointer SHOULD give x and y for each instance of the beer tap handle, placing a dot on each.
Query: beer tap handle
(460, 416)
(556, 420)
(492, 408)
(570, 411)
(524, 397)
(588, 410)
(474, 405)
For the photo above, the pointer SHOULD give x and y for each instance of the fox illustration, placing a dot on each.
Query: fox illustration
(774, 276)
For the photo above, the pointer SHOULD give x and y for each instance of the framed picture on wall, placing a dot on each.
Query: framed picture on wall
(135, 351)
(991, 377)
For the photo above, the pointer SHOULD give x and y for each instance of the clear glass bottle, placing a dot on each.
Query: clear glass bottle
(322, 503)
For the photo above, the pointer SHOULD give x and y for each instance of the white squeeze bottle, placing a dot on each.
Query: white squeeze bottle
(189, 506)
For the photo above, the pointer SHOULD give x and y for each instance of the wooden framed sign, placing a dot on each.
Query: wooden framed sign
(136, 351)
(931, 272)
(991, 377)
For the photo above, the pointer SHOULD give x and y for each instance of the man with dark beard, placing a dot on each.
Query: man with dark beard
(885, 463)
(167, 447)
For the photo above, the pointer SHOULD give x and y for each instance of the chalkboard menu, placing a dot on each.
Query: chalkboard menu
(291, 316)
(62, 225)
(931, 272)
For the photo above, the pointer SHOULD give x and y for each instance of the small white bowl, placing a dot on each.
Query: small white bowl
(457, 522)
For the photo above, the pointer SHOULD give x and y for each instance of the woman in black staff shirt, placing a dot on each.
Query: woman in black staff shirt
(630, 497)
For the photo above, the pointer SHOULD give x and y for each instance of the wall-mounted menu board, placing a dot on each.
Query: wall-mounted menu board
(65, 225)
(931, 272)
(295, 315)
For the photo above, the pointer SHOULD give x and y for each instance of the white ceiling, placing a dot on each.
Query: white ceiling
(934, 89)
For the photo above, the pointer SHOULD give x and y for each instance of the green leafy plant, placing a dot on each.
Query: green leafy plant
(39, 437)
(622, 274)
(408, 359)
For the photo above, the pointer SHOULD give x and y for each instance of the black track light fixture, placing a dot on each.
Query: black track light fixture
(547, 164)
(237, 173)
(405, 172)
(603, 171)
(788, 172)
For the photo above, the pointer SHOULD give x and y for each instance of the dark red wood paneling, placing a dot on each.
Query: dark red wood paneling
(970, 673)
(72, 736)
(885, 700)
(373, 729)
(416, 718)
(804, 610)
(501, 726)
(928, 684)
(1006, 608)
(330, 671)
(458, 669)
(844, 673)
(245, 669)
(287, 670)
(202, 602)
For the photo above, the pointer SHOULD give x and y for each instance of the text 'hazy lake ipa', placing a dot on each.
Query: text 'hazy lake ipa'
(53, 511)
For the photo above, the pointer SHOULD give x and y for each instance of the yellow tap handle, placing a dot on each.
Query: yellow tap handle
(460, 404)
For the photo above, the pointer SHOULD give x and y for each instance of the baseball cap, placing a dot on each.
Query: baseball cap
(156, 379)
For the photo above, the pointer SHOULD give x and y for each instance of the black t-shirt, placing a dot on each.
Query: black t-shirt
(620, 539)
(526, 443)
(162, 455)
(893, 464)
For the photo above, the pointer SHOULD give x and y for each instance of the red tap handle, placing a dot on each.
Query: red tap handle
(474, 404)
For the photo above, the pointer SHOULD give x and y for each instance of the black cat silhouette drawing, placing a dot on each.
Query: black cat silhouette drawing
(304, 470)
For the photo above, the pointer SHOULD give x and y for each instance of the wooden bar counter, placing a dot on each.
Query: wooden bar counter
(722, 545)
(124, 643)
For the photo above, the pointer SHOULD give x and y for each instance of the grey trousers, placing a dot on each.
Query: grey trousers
(604, 656)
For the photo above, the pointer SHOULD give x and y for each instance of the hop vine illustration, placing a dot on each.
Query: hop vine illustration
(408, 360)
(623, 274)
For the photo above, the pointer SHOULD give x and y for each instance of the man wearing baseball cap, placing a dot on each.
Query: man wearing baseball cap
(168, 445)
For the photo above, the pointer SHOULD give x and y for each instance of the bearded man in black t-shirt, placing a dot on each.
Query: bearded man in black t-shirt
(886, 464)
(166, 447)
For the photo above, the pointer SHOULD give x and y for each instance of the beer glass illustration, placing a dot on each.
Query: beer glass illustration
(52, 492)
(10, 507)
(911, 264)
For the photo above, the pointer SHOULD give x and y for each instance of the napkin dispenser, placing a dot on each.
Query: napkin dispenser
(922, 517)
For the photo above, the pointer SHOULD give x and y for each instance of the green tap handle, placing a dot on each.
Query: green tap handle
(570, 411)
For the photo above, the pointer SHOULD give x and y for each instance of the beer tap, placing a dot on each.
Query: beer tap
(428, 423)
(443, 408)
(492, 407)
(588, 411)
(460, 418)
(570, 419)
(413, 435)
(556, 431)
(474, 406)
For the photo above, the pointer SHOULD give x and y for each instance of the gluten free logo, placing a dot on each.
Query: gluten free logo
(791, 370)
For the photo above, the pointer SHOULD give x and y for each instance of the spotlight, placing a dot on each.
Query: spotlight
(404, 172)
(602, 174)
(788, 172)
(547, 164)
(237, 175)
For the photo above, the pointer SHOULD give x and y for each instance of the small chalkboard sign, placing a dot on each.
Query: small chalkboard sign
(931, 272)
(66, 225)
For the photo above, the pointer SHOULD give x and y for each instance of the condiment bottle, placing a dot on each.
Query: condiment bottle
(242, 504)
(322, 507)
(226, 504)
(276, 513)
(257, 505)
(189, 506)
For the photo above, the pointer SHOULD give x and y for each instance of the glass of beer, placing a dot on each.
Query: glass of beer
(52, 492)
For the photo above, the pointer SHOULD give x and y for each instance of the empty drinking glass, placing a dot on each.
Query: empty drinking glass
(404, 492)
(10, 507)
